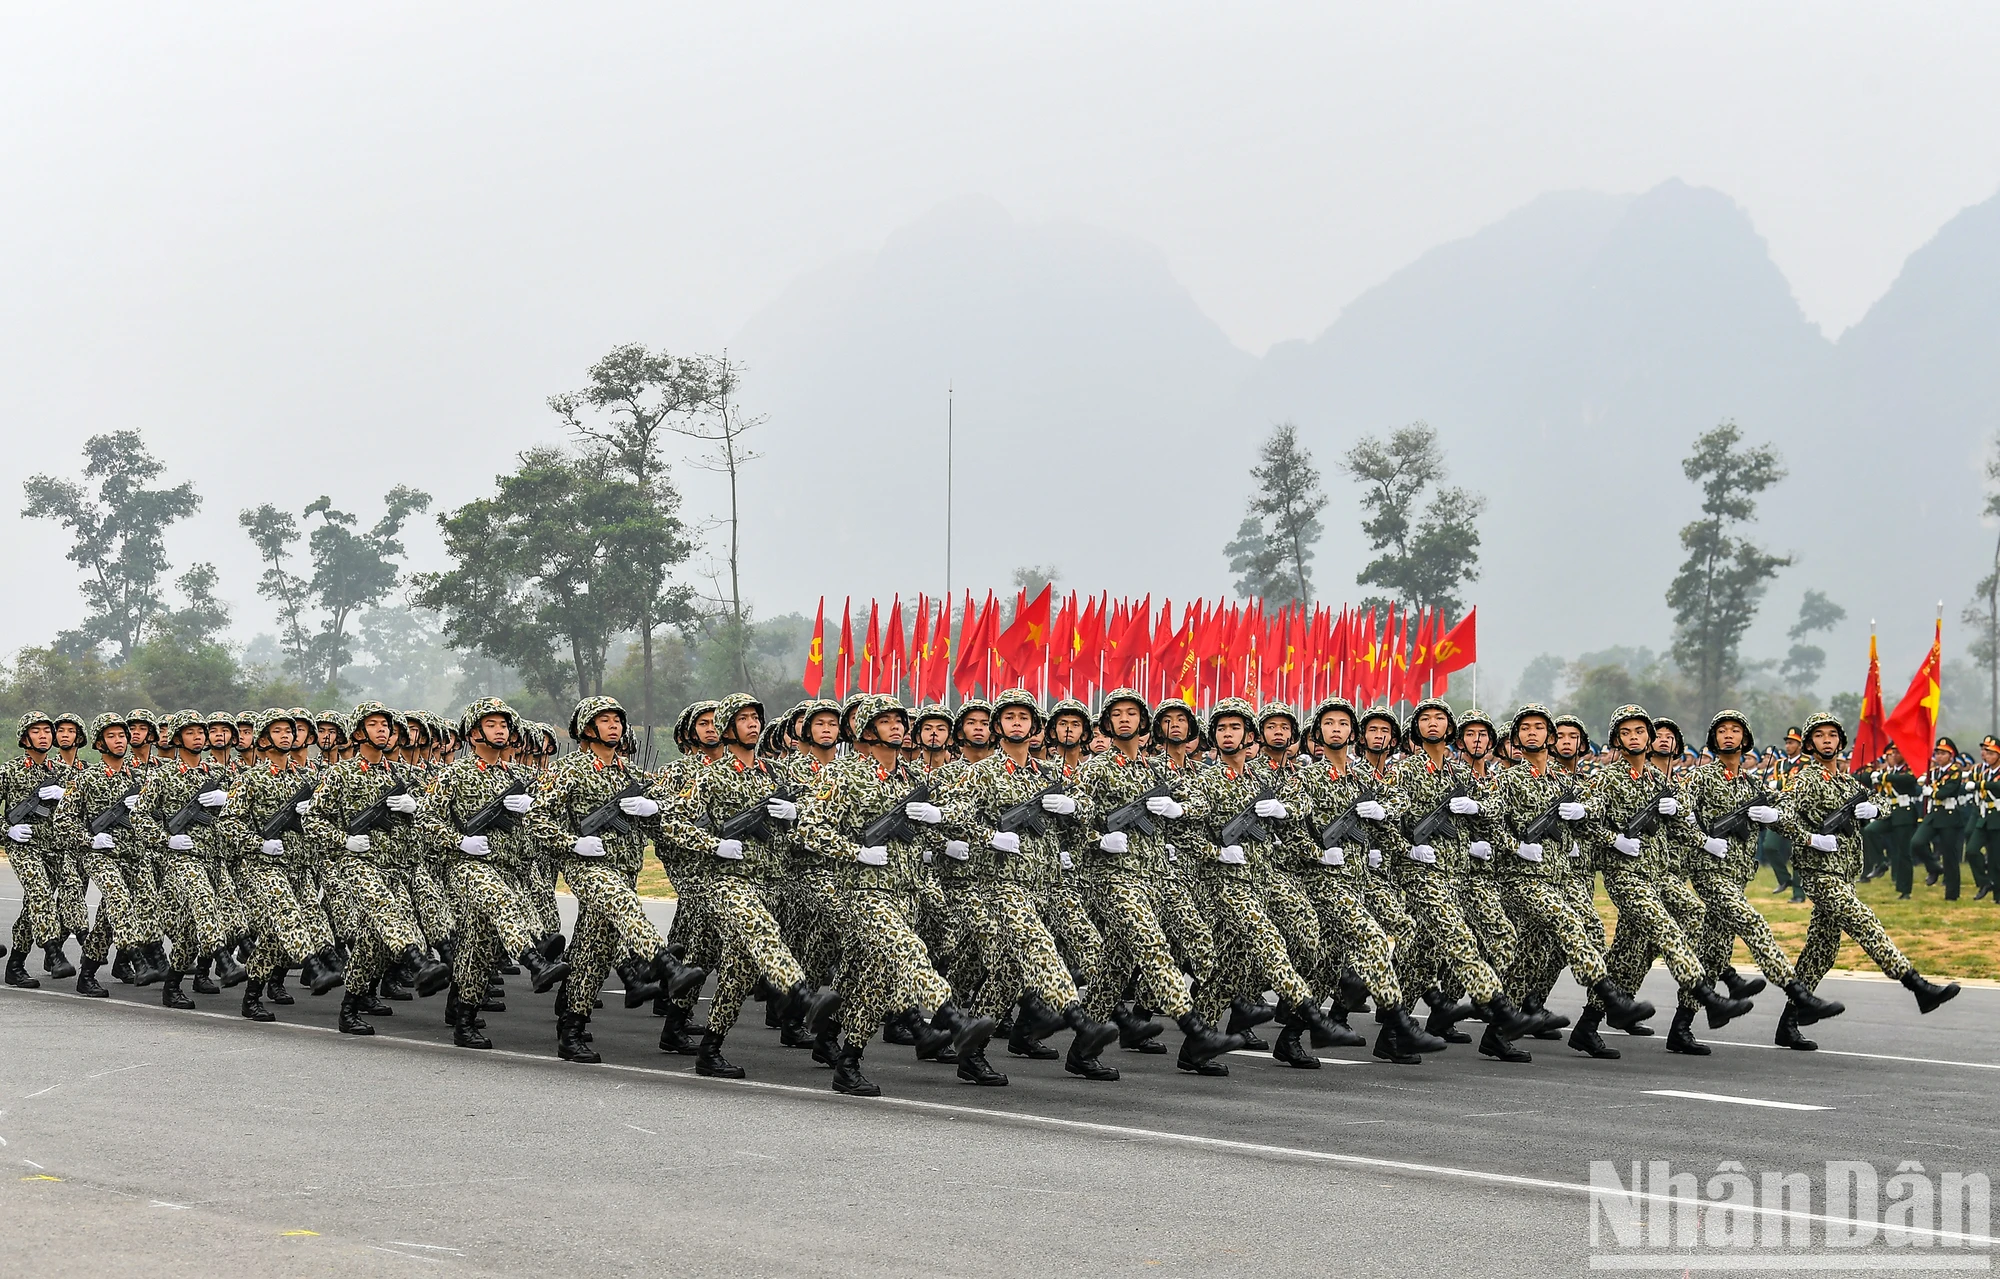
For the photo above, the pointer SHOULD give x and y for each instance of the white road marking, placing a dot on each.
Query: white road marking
(1839, 1052)
(428, 1247)
(1734, 1101)
(407, 1256)
(648, 1131)
(119, 1070)
(1122, 1132)
(1262, 1056)
(50, 1088)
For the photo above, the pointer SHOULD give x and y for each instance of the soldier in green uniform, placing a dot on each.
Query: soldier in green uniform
(1951, 810)
(30, 789)
(105, 795)
(1771, 847)
(1903, 792)
(1982, 836)
(189, 793)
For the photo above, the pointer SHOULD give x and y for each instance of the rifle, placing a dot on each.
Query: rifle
(377, 813)
(1841, 819)
(1549, 820)
(193, 813)
(1135, 815)
(1439, 819)
(1737, 820)
(31, 810)
(1029, 814)
(1246, 825)
(116, 816)
(895, 824)
(287, 817)
(1647, 819)
(608, 816)
(753, 817)
(1346, 826)
(493, 814)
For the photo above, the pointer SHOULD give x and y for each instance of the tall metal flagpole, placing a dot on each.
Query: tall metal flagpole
(948, 689)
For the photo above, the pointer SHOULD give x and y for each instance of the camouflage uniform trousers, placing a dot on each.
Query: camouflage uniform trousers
(539, 880)
(235, 919)
(935, 922)
(66, 876)
(312, 900)
(1726, 915)
(196, 926)
(1077, 937)
(1548, 927)
(385, 925)
(693, 929)
(885, 968)
(1126, 907)
(1486, 914)
(1350, 937)
(1836, 910)
(495, 920)
(340, 913)
(1185, 921)
(1577, 887)
(427, 901)
(977, 956)
(611, 925)
(38, 924)
(1292, 912)
(752, 947)
(1651, 917)
(141, 883)
(1026, 959)
(1442, 945)
(810, 921)
(122, 915)
(283, 935)
(1250, 952)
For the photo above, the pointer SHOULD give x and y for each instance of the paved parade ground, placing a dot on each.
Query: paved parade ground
(144, 1141)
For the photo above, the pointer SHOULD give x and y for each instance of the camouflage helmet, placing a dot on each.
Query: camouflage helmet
(817, 706)
(222, 719)
(729, 708)
(468, 722)
(1728, 716)
(1526, 709)
(1432, 704)
(250, 717)
(1236, 707)
(1320, 713)
(1625, 715)
(771, 741)
(965, 709)
(1072, 706)
(1138, 699)
(1177, 704)
(175, 724)
(82, 729)
(141, 715)
(684, 724)
(1277, 710)
(1680, 738)
(589, 709)
(302, 720)
(1382, 713)
(929, 710)
(31, 719)
(261, 723)
(334, 717)
(109, 719)
(1477, 717)
(1023, 698)
(361, 714)
(874, 706)
(1814, 720)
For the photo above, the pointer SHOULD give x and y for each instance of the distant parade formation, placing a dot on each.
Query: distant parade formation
(998, 873)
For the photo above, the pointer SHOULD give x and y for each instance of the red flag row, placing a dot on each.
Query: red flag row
(1201, 653)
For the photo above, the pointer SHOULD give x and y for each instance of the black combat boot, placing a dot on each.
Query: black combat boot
(1353, 993)
(896, 1029)
(1086, 1065)
(1034, 1020)
(1289, 1051)
(319, 974)
(573, 1041)
(1739, 986)
(1202, 1045)
(431, 976)
(227, 971)
(17, 973)
(1501, 1012)
(968, 1032)
(171, 995)
(275, 990)
(553, 947)
(121, 964)
(1536, 1009)
(395, 984)
(1389, 1049)
(1721, 1008)
(546, 974)
(1092, 1036)
(154, 970)
(1444, 1017)
(1408, 1038)
(973, 1068)
(826, 1048)
(793, 1034)
(675, 977)
(1806, 1007)
(465, 1023)
(1680, 1036)
(371, 1004)
(1585, 1039)
(1135, 1034)
(710, 1062)
(847, 1076)
(253, 1002)
(55, 963)
(351, 1008)
(1492, 1045)
(805, 1009)
(1789, 1034)
(1929, 994)
(1245, 1015)
(1620, 1010)
(86, 981)
(775, 1004)
(673, 1033)
(640, 988)
(203, 983)
(933, 1043)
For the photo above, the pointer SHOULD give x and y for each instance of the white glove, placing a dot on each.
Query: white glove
(1715, 847)
(303, 807)
(1669, 806)
(132, 803)
(1272, 808)
(517, 804)
(272, 848)
(1374, 859)
(404, 804)
(185, 843)
(1173, 854)
(22, 833)
(1060, 805)
(1626, 845)
(1529, 852)
(1571, 812)
(1004, 841)
(929, 857)
(729, 850)
(958, 850)
(355, 843)
(1332, 857)
(1465, 805)
(1114, 841)
(876, 856)
(928, 814)
(103, 843)
(475, 846)
(1921, 790)
(1826, 843)
(212, 798)
(1423, 853)
(1482, 850)
(1764, 814)
(53, 791)
(1231, 855)
(588, 846)
(1866, 811)
(1370, 811)
(639, 806)
(1165, 806)
(782, 809)
(1068, 863)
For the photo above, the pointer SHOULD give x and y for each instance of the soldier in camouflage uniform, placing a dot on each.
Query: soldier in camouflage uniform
(810, 893)
(692, 932)
(1272, 765)
(30, 789)
(1177, 736)
(142, 729)
(180, 793)
(124, 915)
(66, 874)
(1479, 895)
(1375, 736)
(1828, 861)
(929, 752)
(1077, 935)
(973, 929)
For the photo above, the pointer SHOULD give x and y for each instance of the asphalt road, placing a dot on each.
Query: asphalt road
(149, 1141)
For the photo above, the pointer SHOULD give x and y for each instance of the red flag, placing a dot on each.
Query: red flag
(1393, 659)
(967, 672)
(843, 661)
(1457, 649)
(1913, 724)
(816, 655)
(1022, 643)
(1871, 734)
(894, 655)
(1131, 643)
(937, 659)
(919, 648)
(871, 652)
(1088, 645)
(1420, 653)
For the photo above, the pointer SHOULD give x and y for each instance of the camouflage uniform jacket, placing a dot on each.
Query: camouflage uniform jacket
(945, 782)
(1292, 831)
(1110, 781)
(90, 792)
(852, 792)
(463, 788)
(1815, 791)
(672, 787)
(1712, 793)
(719, 792)
(256, 797)
(1187, 843)
(1617, 795)
(1487, 825)
(991, 787)
(1326, 797)
(1421, 787)
(570, 790)
(23, 778)
(1522, 795)
(165, 792)
(1215, 797)
(349, 789)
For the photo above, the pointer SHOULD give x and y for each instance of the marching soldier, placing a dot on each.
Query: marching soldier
(93, 815)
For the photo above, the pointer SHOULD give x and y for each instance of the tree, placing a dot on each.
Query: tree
(723, 424)
(1423, 557)
(274, 533)
(1273, 550)
(1538, 678)
(1805, 661)
(1983, 613)
(1715, 594)
(118, 537)
(353, 570)
(547, 571)
(633, 399)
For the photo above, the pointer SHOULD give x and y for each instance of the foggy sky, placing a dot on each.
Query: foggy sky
(320, 249)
